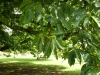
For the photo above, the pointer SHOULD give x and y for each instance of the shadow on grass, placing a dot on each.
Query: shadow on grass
(26, 67)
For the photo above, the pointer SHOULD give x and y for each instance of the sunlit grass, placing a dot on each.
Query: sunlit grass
(44, 67)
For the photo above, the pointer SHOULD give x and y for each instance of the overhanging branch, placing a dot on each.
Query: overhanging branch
(69, 35)
(30, 31)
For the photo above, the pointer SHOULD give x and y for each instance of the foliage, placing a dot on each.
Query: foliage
(69, 26)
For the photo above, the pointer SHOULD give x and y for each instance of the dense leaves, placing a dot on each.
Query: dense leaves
(68, 27)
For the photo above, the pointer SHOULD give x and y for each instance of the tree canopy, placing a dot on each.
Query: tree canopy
(69, 26)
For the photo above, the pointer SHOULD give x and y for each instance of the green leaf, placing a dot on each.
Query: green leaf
(61, 17)
(65, 55)
(78, 56)
(53, 44)
(48, 1)
(47, 47)
(49, 18)
(38, 8)
(29, 15)
(88, 1)
(53, 11)
(40, 45)
(38, 39)
(79, 20)
(74, 2)
(25, 3)
(97, 4)
(56, 53)
(74, 40)
(48, 52)
(86, 22)
(54, 47)
(59, 45)
(85, 68)
(71, 58)
(66, 24)
(27, 7)
(60, 14)
(85, 34)
(22, 19)
(86, 57)
(96, 20)
(59, 28)
(38, 11)
(67, 9)
(95, 40)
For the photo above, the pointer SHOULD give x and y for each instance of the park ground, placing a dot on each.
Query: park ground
(28, 65)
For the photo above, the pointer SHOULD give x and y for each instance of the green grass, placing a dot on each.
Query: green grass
(31, 66)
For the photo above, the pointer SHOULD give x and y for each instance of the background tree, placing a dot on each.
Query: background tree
(69, 26)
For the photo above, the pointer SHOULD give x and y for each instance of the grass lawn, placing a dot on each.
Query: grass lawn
(31, 66)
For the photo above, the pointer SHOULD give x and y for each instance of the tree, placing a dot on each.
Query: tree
(69, 26)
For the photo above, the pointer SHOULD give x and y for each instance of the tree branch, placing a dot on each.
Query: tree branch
(69, 35)
(30, 31)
